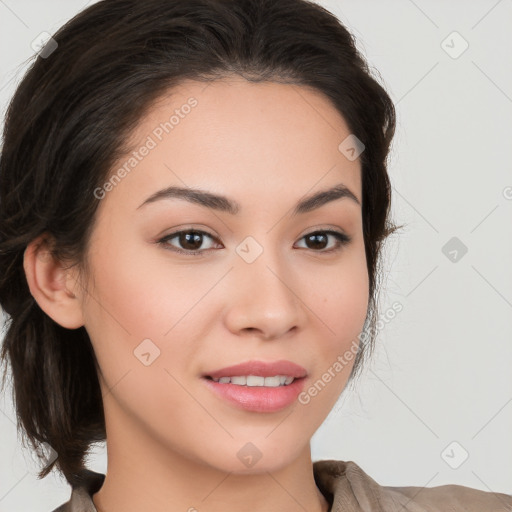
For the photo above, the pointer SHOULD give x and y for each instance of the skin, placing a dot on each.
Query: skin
(172, 444)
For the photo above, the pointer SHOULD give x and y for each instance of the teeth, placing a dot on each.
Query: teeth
(255, 380)
(252, 380)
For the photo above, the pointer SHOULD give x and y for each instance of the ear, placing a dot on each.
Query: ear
(48, 283)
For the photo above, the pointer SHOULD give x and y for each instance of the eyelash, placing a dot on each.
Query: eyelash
(342, 240)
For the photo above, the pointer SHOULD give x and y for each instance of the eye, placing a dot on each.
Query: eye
(320, 238)
(190, 241)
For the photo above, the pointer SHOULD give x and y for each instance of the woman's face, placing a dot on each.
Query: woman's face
(260, 289)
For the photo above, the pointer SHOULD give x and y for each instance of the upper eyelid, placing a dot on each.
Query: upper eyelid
(203, 231)
(189, 230)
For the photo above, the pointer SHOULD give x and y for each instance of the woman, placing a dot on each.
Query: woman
(194, 197)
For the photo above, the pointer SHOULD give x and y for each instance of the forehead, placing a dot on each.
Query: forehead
(231, 136)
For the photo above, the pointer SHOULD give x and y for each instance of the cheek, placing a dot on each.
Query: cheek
(338, 293)
(133, 292)
(143, 303)
(339, 297)
(123, 309)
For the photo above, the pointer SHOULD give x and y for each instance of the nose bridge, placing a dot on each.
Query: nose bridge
(263, 297)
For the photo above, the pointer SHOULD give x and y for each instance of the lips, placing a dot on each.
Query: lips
(261, 369)
(257, 398)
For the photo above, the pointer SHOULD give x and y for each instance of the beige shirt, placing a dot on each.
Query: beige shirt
(349, 489)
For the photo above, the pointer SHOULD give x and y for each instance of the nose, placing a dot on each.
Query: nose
(264, 299)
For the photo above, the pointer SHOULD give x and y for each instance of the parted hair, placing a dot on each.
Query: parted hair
(69, 121)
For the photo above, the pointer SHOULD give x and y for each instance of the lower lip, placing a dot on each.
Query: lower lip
(258, 398)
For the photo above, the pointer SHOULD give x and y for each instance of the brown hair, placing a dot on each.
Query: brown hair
(69, 121)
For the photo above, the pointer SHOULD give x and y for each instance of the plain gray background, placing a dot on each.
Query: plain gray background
(439, 388)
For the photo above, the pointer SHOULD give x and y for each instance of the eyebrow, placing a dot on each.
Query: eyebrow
(224, 204)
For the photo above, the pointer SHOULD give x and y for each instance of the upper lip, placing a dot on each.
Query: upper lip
(261, 369)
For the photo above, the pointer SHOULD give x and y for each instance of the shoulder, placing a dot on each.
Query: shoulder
(345, 484)
(81, 494)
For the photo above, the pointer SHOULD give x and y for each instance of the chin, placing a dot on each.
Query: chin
(251, 458)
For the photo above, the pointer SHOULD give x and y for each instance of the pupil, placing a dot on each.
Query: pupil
(185, 239)
(314, 237)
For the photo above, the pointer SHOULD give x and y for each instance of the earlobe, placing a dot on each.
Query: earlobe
(47, 280)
